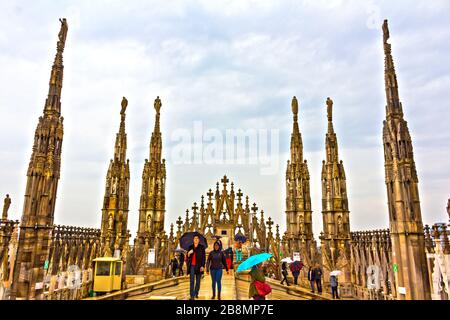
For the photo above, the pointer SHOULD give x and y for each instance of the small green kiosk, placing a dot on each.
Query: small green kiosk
(108, 274)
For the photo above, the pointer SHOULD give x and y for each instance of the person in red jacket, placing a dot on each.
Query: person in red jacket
(196, 266)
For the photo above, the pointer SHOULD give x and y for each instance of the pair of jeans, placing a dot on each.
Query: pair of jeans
(216, 277)
(311, 282)
(285, 279)
(319, 285)
(334, 292)
(194, 282)
(295, 279)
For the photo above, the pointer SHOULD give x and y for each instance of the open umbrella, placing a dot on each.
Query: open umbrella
(240, 237)
(187, 240)
(253, 261)
(287, 259)
(335, 273)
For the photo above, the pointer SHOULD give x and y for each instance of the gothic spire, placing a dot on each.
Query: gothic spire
(331, 139)
(53, 102)
(394, 106)
(330, 115)
(120, 149)
(296, 137)
(156, 141)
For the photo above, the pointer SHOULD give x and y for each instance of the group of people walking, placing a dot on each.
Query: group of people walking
(218, 259)
(177, 264)
(314, 275)
(197, 265)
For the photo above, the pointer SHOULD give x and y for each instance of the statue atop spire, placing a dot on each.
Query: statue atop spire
(294, 106)
(157, 104)
(53, 102)
(385, 32)
(124, 106)
(62, 33)
(329, 109)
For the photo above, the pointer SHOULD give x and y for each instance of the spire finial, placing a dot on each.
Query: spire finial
(157, 104)
(385, 31)
(329, 109)
(53, 102)
(294, 106)
(124, 105)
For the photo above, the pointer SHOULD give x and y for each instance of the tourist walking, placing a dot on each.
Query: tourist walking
(318, 278)
(311, 278)
(229, 258)
(215, 265)
(174, 266)
(196, 266)
(181, 264)
(284, 273)
(334, 286)
(258, 288)
(295, 267)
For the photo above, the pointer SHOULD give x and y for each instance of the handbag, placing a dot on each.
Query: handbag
(263, 288)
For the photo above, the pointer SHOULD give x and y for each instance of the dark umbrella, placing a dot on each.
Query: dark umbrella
(187, 240)
(240, 237)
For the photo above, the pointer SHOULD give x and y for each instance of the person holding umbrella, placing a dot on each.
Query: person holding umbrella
(195, 244)
(334, 283)
(216, 263)
(295, 267)
(258, 288)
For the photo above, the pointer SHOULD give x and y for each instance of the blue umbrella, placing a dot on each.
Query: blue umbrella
(253, 261)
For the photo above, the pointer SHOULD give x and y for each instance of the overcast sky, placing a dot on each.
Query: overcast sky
(230, 65)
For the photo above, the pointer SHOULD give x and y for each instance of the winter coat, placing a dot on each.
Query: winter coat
(216, 260)
(333, 281)
(317, 274)
(200, 258)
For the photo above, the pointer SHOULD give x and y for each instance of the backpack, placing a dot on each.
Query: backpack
(263, 288)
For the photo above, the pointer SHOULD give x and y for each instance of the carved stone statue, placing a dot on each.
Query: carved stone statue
(448, 208)
(301, 223)
(114, 186)
(6, 205)
(385, 31)
(340, 226)
(294, 106)
(157, 104)
(330, 109)
(63, 32)
(110, 222)
(124, 106)
(149, 223)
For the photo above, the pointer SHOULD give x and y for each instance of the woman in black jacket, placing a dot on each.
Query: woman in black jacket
(216, 262)
(284, 273)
